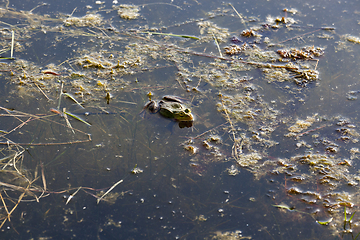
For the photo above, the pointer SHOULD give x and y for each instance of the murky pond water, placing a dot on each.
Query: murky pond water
(271, 153)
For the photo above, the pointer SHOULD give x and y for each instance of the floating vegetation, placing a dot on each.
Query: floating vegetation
(323, 166)
(245, 94)
(127, 11)
(136, 170)
(89, 20)
(209, 29)
(352, 95)
(301, 125)
(353, 39)
(304, 53)
(250, 33)
(235, 49)
(229, 235)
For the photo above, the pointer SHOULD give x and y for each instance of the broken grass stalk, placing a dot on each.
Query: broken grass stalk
(110, 189)
(72, 98)
(77, 118)
(241, 18)
(72, 195)
(345, 218)
(12, 44)
(61, 92)
(357, 236)
(3, 201)
(217, 44)
(43, 177)
(26, 190)
(67, 121)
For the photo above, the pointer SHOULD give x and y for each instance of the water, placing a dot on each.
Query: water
(181, 193)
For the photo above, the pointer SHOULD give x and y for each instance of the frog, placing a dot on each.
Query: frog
(171, 107)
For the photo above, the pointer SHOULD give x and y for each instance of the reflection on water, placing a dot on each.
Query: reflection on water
(271, 152)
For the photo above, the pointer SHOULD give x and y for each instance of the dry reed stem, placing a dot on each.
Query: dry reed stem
(67, 121)
(14, 187)
(241, 18)
(61, 92)
(42, 91)
(110, 189)
(72, 195)
(49, 144)
(13, 158)
(34, 117)
(14, 164)
(3, 201)
(21, 189)
(13, 209)
(8, 111)
(217, 45)
(12, 44)
(19, 200)
(43, 177)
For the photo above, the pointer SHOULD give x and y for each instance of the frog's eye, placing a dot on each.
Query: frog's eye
(187, 110)
(181, 114)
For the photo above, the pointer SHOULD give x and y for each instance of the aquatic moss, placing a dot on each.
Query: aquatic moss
(88, 20)
(301, 125)
(128, 11)
(353, 39)
(210, 30)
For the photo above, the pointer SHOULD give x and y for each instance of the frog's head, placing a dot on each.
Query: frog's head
(183, 115)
